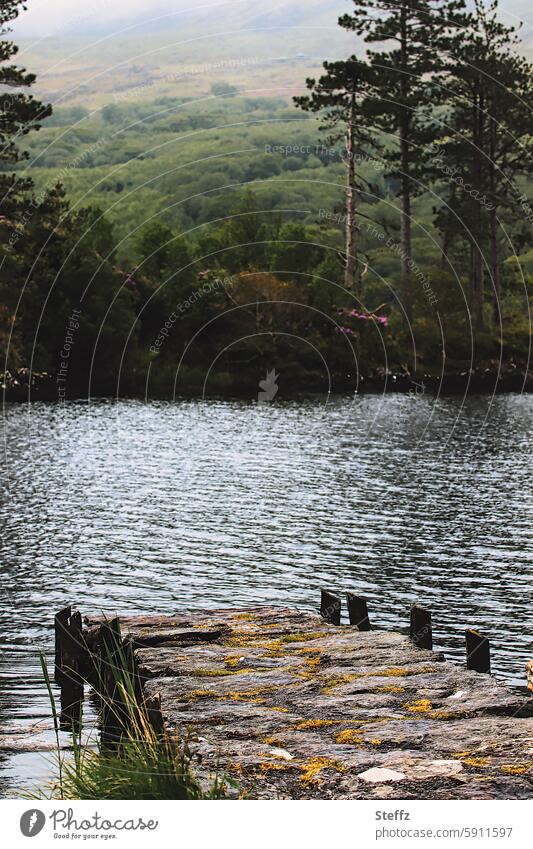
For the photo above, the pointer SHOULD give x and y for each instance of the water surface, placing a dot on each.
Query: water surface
(150, 507)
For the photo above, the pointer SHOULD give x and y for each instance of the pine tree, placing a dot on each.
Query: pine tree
(487, 145)
(339, 95)
(19, 114)
(419, 30)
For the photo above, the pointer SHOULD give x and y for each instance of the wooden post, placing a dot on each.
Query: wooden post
(477, 651)
(60, 628)
(420, 630)
(358, 612)
(72, 666)
(330, 607)
(70, 662)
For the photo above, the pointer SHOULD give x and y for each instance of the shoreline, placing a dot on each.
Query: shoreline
(44, 388)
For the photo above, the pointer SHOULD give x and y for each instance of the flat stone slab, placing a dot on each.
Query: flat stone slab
(292, 707)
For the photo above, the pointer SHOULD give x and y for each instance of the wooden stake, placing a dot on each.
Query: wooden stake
(330, 607)
(60, 628)
(72, 666)
(477, 651)
(358, 612)
(420, 630)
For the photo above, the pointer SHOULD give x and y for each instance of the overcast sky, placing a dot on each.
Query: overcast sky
(44, 17)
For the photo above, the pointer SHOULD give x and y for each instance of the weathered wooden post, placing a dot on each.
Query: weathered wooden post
(358, 612)
(73, 663)
(70, 656)
(60, 628)
(477, 651)
(529, 675)
(420, 630)
(330, 607)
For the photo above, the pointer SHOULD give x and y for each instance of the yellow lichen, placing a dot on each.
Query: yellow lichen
(194, 695)
(244, 617)
(311, 666)
(220, 673)
(309, 724)
(273, 648)
(232, 660)
(390, 689)
(349, 735)
(314, 766)
(245, 695)
(303, 637)
(280, 709)
(270, 766)
(394, 672)
(419, 706)
(236, 769)
(441, 714)
(516, 769)
(270, 740)
(475, 761)
(329, 684)
(375, 741)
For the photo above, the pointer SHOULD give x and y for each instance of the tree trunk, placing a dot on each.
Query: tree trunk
(493, 228)
(476, 223)
(495, 265)
(350, 274)
(405, 233)
(405, 222)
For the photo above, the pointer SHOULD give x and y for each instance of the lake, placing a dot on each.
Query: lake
(152, 507)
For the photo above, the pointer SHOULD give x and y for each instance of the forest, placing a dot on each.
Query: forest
(374, 228)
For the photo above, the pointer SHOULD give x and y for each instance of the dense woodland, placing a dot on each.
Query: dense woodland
(379, 224)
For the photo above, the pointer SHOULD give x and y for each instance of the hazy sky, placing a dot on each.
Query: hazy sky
(44, 17)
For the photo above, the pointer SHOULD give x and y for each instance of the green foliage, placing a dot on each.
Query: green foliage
(180, 233)
(141, 765)
(223, 89)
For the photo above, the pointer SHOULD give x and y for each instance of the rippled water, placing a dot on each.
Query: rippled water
(151, 507)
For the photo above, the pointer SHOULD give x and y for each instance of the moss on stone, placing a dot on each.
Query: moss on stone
(195, 695)
(303, 637)
(219, 673)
